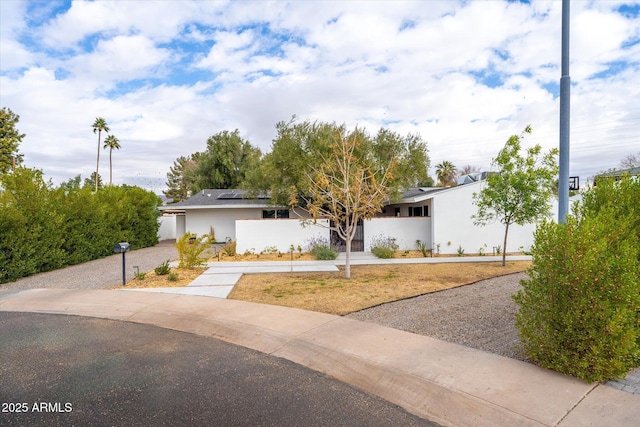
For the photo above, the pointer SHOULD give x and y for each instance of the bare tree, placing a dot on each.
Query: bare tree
(630, 161)
(468, 169)
(346, 189)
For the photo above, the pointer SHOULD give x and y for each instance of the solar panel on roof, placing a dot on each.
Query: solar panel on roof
(227, 196)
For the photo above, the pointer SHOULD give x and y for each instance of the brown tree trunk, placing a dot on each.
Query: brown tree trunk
(347, 264)
(504, 251)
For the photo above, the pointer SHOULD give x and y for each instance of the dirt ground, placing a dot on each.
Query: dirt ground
(370, 285)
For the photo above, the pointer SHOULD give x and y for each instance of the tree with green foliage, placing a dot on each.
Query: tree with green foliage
(301, 146)
(10, 139)
(446, 173)
(91, 182)
(112, 143)
(181, 177)
(71, 184)
(226, 162)
(522, 190)
(99, 125)
(579, 310)
(349, 186)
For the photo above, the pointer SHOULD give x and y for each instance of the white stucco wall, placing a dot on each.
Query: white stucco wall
(167, 228)
(453, 226)
(256, 235)
(223, 221)
(406, 230)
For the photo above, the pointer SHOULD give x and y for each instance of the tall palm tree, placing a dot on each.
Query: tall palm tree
(112, 142)
(98, 126)
(446, 172)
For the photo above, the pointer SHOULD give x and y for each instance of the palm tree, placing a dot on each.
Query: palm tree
(446, 172)
(111, 142)
(99, 125)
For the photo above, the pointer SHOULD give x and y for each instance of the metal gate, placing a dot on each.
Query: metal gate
(357, 244)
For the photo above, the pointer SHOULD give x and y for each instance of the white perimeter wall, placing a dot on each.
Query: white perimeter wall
(452, 212)
(406, 230)
(223, 221)
(167, 228)
(256, 235)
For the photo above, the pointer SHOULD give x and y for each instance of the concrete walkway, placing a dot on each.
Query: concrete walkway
(439, 381)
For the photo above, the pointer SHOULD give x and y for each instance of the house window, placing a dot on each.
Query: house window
(272, 213)
(419, 211)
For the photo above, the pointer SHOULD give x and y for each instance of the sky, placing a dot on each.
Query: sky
(166, 75)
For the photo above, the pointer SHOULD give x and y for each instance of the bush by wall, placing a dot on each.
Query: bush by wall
(579, 310)
(384, 247)
(321, 249)
(43, 228)
(191, 249)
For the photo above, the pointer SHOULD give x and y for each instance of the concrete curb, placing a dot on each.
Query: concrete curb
(439, 381)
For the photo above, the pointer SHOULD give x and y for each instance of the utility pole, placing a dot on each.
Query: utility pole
(565, 95)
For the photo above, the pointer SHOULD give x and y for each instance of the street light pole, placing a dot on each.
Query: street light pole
(565, 94)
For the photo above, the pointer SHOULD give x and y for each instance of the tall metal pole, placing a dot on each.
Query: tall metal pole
(565, 94)
(124, 275)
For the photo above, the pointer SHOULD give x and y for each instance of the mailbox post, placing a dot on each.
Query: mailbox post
(122, 247)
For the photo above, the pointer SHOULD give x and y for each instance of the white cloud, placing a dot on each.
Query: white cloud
(168, 74)
(119, 59)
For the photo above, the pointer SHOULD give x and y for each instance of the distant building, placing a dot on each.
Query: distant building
(617, 174)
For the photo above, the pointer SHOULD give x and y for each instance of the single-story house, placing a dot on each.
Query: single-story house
(618, 173)
(439, 217)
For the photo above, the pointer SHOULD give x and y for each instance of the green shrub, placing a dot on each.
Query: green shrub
(173, 276)
(579, 310)
(460, 250)
(190, 249)
(321, 249)
(325, 253)
(140, 275)
(44, 228)
(424, 248)
(163, 268)
(230, 248)
(384, 247)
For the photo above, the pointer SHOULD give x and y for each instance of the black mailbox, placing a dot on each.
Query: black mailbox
(121, 247)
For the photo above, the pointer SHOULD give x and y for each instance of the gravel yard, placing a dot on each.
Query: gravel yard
(480, 315)
(104, 273)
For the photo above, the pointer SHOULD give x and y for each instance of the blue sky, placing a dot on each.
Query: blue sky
(166, 75)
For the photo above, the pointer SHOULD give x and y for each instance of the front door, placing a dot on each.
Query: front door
(357, 244)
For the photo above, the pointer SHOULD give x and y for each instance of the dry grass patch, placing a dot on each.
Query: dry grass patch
(152, 280)
(370, 285)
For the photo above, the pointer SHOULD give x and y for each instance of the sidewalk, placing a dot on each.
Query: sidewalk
(438, 381)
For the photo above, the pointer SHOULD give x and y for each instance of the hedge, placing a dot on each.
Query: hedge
(43, 228)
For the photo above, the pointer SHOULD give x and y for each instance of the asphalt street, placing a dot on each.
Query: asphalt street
(68, 370)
